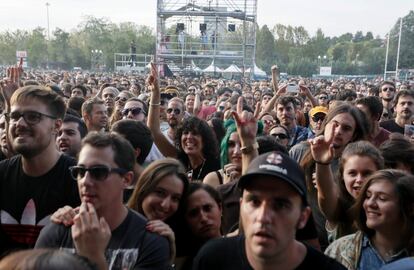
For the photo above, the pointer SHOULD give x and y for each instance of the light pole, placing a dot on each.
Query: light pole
(48, 36)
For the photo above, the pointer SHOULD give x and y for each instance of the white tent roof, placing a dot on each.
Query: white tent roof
(257, 71)
(195, 68)
(232, 69)
(212, 68)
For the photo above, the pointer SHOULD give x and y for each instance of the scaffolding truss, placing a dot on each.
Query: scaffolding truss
(198, 33)
(132, 62)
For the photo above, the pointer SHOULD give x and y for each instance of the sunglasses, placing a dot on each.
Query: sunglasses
(391, 89)
(176, 111)
(30, 117)
(323, 97)
(221, 108)
(134, 111)
(280, 136)
(318, 118)
(98, 173)
(269, 122)
(123, 99)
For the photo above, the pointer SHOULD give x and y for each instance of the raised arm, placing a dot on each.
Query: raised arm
(247, 130)
(305, 92)
(328, 191)
(153, 121)
(277, 91)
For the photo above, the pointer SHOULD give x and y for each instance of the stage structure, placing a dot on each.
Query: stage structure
(199, 33)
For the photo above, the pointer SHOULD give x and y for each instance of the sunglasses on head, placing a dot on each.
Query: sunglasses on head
(279, 136)
(134, 111)
(98, 173)
(176, 111)
(318, 118)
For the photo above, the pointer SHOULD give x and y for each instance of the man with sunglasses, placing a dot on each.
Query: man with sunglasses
(316, 116)
(135, 109)
(387, 93)
(104, 229)
(35, 182)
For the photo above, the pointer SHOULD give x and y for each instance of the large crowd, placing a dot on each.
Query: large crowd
(131, 171)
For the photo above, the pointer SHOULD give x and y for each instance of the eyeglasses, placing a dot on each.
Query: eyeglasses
(318, 118)
(98, 173)
(30, 117)
(280, 136)
(123, 99)
(134, 111)
(176, 111)
(385, 89)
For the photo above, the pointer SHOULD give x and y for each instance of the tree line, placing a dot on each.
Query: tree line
(292, 48)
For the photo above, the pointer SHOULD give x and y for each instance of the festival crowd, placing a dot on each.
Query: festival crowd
(130, 171)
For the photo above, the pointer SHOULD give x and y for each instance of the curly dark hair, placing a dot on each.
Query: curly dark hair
(198, 126)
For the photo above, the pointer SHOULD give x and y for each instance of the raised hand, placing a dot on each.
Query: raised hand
(152, 79)
(246, 124)
(11, 83)
(322, 148)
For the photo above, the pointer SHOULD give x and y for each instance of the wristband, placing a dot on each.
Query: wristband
(249, 148)
(322, 163)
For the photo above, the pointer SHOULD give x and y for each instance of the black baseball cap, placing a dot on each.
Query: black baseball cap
(279, 165)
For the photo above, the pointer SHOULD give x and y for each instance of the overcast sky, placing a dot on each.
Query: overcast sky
(334, 17)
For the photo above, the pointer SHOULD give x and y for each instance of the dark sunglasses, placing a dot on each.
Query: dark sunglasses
(317, 118)
(98, 173)
(123, 99)
(280, 136)
(30, 117)
(323, 97)
(176, 111)
(391, 89)
(134, 111)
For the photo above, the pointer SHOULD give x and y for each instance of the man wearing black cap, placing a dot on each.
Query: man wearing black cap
(273, 206)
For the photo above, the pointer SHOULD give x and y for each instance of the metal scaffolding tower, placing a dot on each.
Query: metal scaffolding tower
(198, 33)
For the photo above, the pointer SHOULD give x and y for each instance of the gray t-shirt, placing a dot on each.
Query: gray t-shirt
(131, 246)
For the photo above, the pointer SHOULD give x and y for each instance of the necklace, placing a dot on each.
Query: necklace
(191, 171)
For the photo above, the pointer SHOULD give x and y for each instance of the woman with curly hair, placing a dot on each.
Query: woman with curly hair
(195, 143)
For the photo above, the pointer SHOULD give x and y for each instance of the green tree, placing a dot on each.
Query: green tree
(265, 49)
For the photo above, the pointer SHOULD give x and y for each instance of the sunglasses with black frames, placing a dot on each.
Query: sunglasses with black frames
(98, 173)
(134, 111)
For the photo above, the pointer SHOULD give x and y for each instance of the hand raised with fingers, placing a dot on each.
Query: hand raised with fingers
(11, 83)
(281, 90)
(322, 148)
(152, 79)
(246, 124)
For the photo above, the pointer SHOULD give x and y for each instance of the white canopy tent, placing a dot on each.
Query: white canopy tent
(212, 68)
(232, 69)
(257, 72)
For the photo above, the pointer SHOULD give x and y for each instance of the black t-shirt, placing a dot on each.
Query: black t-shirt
(230, 253)
(26, 202)
(391, 126)
(209, 165)
(131, 246)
